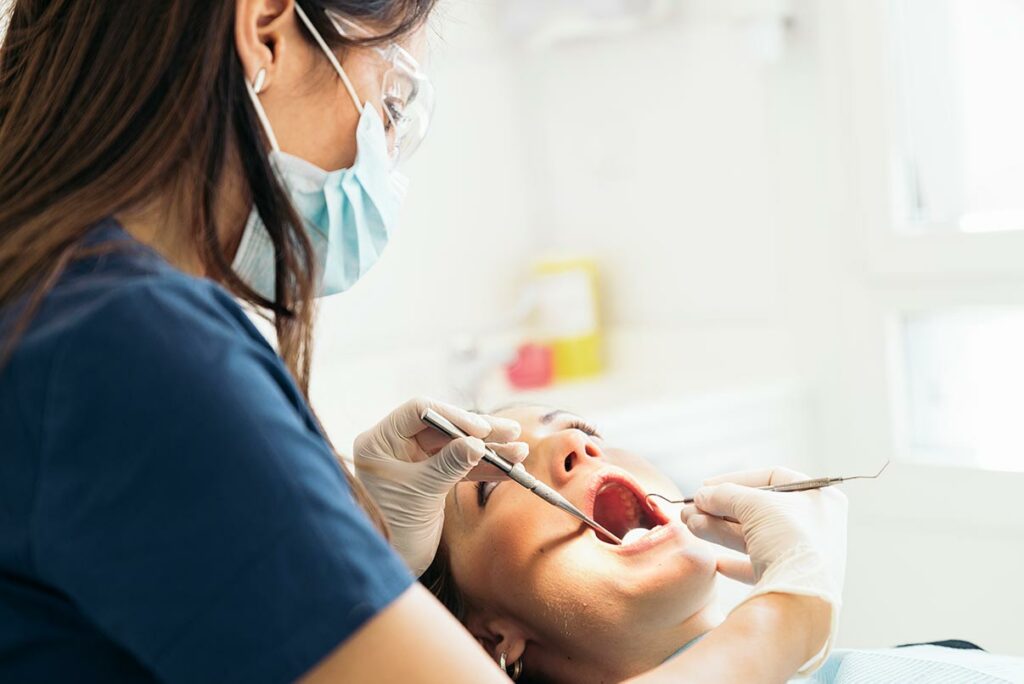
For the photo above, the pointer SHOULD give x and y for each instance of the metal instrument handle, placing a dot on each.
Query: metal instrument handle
(442, 424)
(803, 485)
(519, 474)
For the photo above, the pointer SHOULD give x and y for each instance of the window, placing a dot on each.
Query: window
(939, 161)
(959, 162)
(964, 388)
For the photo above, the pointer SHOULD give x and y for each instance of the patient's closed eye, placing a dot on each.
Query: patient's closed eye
(483, 492)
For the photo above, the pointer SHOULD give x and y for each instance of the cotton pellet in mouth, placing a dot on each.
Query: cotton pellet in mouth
(634, 534)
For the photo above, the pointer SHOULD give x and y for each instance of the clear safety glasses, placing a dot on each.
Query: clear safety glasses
(406, 93)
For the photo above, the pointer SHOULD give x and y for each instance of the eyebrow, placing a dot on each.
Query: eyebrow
(548, 417)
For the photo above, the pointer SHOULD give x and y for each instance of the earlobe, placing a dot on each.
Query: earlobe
(499, 635)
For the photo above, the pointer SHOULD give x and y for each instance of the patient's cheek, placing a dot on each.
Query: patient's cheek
(483, 558)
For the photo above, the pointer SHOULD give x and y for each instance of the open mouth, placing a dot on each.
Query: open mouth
(620, 507)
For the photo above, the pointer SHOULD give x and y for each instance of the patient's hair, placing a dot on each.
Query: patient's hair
(438, 579)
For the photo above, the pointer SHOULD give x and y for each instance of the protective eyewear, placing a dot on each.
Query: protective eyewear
(407, 95)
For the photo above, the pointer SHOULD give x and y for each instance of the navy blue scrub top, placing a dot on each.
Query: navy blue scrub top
(169, 509)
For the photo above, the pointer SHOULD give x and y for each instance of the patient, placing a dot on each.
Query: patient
(564, 605)
(525, 577)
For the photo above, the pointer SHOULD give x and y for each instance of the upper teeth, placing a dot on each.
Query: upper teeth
(628, 500)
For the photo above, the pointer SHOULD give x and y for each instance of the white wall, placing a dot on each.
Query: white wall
(656, 159)
(649, 151)
(465, 230)
(630, 149)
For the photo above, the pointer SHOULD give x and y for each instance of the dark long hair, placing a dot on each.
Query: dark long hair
(107, 104)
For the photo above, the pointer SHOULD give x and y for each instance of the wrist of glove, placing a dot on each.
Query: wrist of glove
(796, 541)
(805, 572)
(408, 469)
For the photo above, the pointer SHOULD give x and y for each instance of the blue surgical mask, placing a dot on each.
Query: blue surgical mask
(349, 214)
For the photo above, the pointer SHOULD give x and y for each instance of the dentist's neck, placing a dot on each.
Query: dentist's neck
(164, 222)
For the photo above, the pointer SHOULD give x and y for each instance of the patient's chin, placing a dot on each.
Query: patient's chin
(665, 601)
(671, 582)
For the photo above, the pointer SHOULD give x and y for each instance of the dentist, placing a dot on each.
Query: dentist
(170, 508)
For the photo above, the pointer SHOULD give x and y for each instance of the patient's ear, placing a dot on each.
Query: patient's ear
(498, 635)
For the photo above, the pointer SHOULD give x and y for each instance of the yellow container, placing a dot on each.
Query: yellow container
(568, 316)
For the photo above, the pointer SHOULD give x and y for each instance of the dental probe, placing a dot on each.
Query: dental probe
(517, 473)
(801, 486)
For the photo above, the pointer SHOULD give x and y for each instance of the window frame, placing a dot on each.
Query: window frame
(895, 272)
(876, 117)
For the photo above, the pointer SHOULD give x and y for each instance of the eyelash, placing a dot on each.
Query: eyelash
(583, 426)
(483, 493)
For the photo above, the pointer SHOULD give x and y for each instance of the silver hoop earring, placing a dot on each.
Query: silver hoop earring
(517, 667)
(259, 81)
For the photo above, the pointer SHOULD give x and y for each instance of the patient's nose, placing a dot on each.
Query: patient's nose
(573, 451)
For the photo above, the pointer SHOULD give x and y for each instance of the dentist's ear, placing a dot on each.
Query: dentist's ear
(499, 635)
(259, 36)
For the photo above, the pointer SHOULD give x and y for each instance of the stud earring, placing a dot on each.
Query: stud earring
(259, 81)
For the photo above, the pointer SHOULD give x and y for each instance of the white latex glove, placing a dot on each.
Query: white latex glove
(409, 468)
(796, 540)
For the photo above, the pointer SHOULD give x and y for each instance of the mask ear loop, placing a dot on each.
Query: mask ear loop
(254, 89)
(331, 58)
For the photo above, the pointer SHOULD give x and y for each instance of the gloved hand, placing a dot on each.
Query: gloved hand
(409, 468)
(796, 541)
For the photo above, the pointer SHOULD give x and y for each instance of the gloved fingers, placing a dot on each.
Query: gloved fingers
(763, 477)
(455, 460)
(417, 545)
(431, 441)
(722, 500)
(513, 452)
(502, 429)
(490, 428)
(407, 420)
(716, 530)
(739, 569)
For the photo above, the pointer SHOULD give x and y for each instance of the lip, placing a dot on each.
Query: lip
(604, 477)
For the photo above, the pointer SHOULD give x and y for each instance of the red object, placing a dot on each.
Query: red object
(533, 367)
